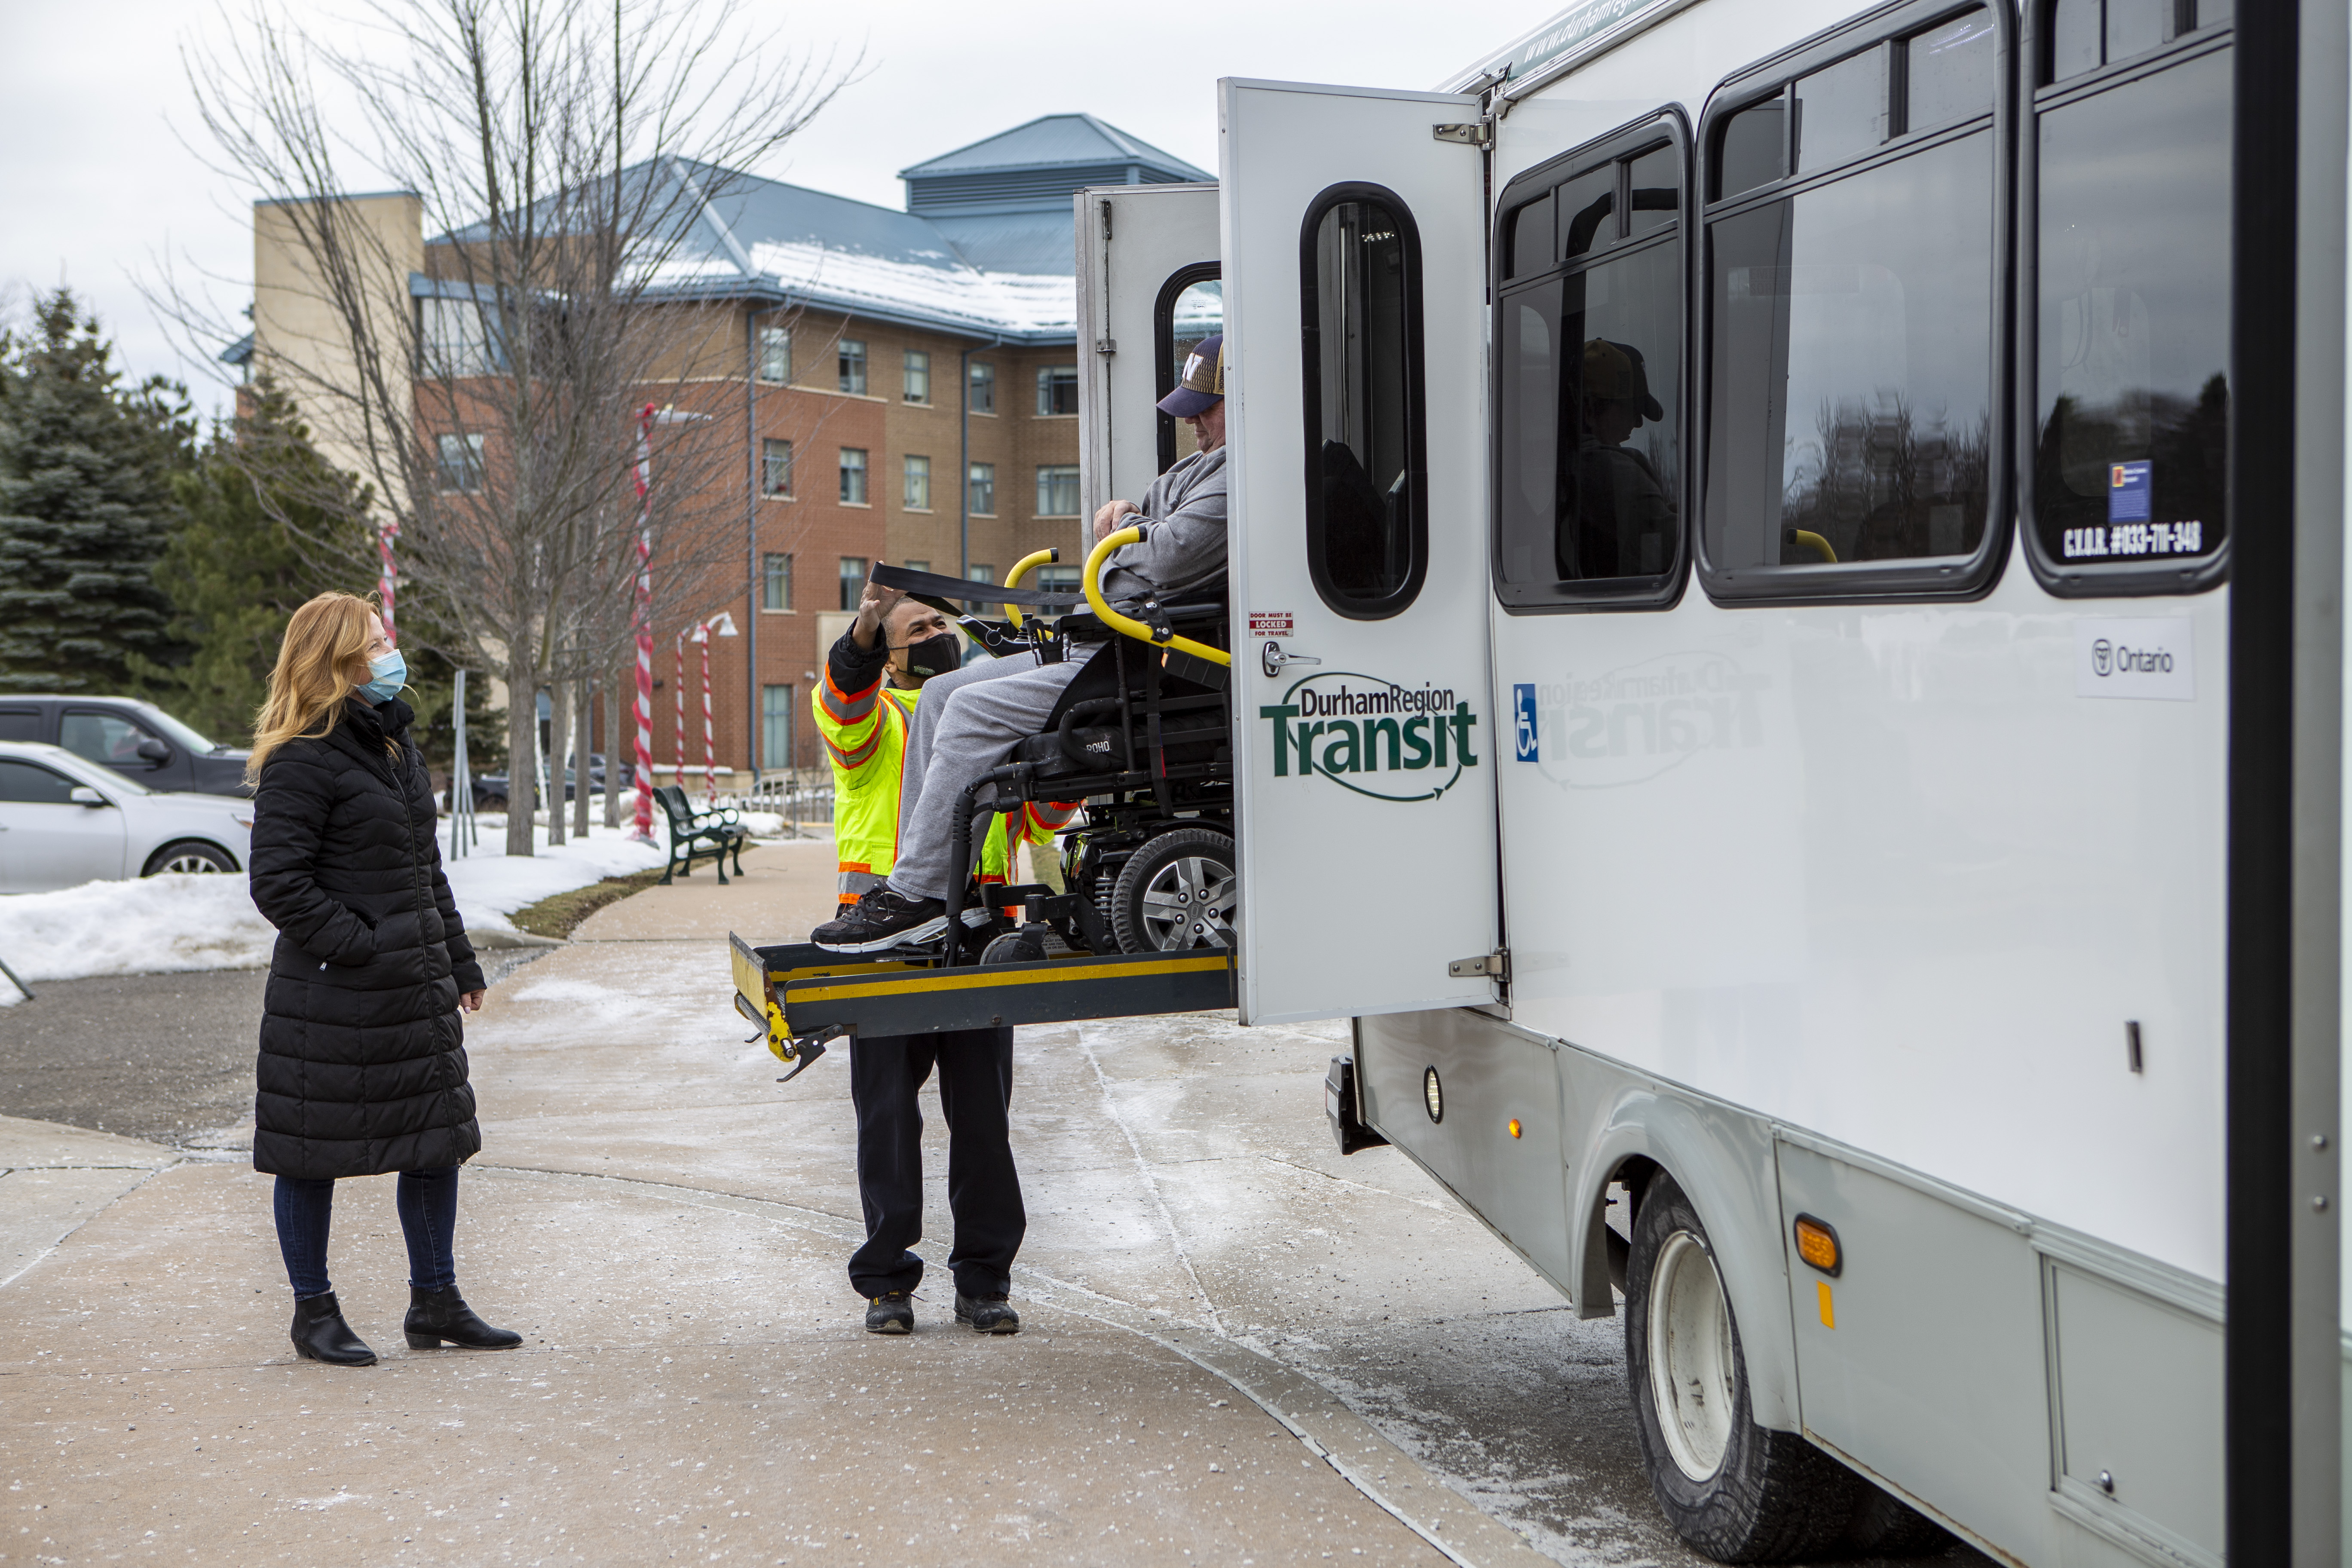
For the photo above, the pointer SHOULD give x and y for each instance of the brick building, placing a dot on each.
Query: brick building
(909, 379)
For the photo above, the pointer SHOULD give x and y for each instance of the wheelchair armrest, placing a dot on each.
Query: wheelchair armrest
(1077, 714)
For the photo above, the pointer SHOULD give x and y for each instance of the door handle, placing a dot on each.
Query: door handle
(1273, 656)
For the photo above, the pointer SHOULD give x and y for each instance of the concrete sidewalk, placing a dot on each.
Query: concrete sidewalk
(668, 1227)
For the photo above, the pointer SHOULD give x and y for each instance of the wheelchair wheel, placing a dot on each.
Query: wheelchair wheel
(1176, 892)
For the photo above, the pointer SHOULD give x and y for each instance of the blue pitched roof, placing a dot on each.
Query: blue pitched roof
(1054, 140)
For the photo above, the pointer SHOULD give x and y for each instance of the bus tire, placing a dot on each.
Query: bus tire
(1734, 1490)
(1176, 892)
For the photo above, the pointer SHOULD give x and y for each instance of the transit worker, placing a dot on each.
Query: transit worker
(874, 678)
(971, 720)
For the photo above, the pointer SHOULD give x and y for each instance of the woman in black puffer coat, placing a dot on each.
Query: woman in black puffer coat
(362, 1064)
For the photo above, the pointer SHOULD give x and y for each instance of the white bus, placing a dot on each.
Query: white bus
(1786, 674)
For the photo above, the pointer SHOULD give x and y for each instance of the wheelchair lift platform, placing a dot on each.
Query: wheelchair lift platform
(801, 996)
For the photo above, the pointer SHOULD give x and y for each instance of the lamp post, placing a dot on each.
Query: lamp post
(386, 533)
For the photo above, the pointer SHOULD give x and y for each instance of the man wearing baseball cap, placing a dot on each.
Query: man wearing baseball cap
(1624, 521)
(970, 719)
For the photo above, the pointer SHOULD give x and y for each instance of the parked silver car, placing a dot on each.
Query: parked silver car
(65, 820)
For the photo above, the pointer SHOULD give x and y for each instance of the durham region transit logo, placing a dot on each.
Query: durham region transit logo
(1373, 736)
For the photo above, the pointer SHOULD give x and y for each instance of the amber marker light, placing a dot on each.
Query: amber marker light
(1515, 1127)
(1817, 1244)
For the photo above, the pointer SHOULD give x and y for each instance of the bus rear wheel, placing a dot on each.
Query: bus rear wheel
(1733, 1489)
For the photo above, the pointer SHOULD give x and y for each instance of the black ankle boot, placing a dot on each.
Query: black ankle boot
(435, 1316)
(319, 1333)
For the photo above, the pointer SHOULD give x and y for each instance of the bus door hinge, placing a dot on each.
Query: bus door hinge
(1495, 965)
(1475, 133)
(1106, 347)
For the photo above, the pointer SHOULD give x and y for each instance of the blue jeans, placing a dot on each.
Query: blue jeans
(428, 1202)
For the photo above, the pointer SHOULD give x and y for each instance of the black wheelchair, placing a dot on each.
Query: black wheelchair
(1144, 738)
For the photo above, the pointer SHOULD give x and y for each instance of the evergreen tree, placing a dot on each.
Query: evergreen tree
(233, 570)
(86, 506)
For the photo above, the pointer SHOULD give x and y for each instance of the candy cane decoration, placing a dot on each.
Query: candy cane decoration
(677, 756)
(644, 475)
(710, 746)
(386, 533)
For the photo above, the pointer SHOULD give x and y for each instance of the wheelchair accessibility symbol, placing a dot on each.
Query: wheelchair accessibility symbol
(1523, 729)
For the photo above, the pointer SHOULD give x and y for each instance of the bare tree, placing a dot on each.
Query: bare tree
(566, 156)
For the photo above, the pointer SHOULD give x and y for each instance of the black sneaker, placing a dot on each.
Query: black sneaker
(881, 920)
(987, 1314)
(892, 1312)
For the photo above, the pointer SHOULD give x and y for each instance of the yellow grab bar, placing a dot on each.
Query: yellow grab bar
(1021, 568)
(1809, 539)
(1131, 627)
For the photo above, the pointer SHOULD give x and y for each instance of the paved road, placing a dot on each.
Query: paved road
(669, 1225)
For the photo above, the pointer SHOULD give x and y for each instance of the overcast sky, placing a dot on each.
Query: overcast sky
(103, 184)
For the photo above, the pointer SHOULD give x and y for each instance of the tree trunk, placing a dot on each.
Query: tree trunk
(584, 704)
(558, 756)
(620, 751)
(522, 745)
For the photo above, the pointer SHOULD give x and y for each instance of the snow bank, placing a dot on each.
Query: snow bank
(164, 925)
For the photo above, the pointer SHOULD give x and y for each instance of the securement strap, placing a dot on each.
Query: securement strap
(929, 586)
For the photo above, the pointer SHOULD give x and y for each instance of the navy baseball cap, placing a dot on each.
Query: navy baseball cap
(1202, 386)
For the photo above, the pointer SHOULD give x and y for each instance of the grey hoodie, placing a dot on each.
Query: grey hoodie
(1183, 543)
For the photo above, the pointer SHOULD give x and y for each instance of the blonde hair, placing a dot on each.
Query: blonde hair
(324, 639)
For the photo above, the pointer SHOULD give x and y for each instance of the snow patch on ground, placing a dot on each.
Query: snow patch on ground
(164, 925)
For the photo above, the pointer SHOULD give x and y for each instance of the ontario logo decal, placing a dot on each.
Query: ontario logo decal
(1373, 736)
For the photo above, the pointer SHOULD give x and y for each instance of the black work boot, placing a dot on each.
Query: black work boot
(435, 1316)
(319, 1333)
(892, 1312)
(987, 1314)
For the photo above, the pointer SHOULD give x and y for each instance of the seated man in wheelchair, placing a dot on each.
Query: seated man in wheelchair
(970, 720)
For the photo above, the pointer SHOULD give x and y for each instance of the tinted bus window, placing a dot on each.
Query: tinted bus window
(1851, 389)
(1749, 148)
(1951, 70)
(1590, 399)
(2131, 394)
(1841, 112)
(1366, 483)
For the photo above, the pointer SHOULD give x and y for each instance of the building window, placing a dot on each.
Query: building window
(461, 464)
(982, 489)
(853, 476)
(918, 377)
(775, 582)
(1058, 491)
(776, 355)
(984, 387)
(919, 484)
(1058, 389)
(916, 565)
(459, 338)
(1055, 579)
(853, 581)
(775, 468)
(853, 366)
(979, 571)
(778, 720)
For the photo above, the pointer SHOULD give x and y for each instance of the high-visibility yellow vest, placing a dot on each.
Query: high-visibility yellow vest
(866, 740)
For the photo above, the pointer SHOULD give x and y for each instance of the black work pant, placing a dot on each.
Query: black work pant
(885, 1073)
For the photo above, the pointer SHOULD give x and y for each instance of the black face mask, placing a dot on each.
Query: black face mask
(933, 656)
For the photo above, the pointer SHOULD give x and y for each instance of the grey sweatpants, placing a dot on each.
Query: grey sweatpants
(968, 721)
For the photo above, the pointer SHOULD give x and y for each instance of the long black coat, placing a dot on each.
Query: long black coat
(363, 1066)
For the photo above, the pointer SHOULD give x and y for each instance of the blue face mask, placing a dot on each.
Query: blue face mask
(391, 673)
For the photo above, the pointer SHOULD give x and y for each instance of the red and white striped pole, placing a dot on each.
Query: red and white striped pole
(644, 769)
(386, 533)
(677, 756)
(710, 746)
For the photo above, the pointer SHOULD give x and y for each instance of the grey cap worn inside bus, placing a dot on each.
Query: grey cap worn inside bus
(1202, 386)
(1613, 373)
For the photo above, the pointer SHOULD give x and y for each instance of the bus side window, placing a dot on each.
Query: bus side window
(1367, 477)
(2127, 393)
(1854, 330)
(1189, 309)
(1589, 400)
